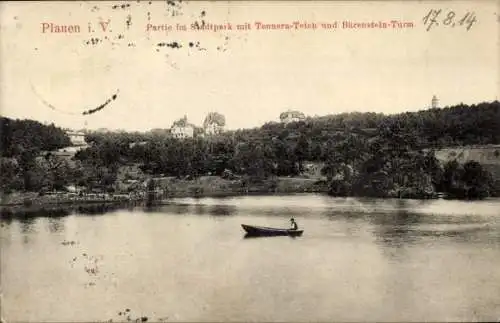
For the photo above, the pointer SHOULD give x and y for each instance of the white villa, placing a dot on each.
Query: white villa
(182, 129)
(291, 116)
(214, 123)
(78, 143)
(77, 138)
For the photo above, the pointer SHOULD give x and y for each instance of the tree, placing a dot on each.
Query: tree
(302, 151)
(478, 181)
(9, 175)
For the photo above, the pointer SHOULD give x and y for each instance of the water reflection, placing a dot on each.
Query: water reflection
(357, 261)
(97, 209)
(222, 210)
(27, 225)
(58, 211)
(406, 228)
(470, 233)
(56, 224)
(198, 209)
(251, 236)
(173, 208)
(27, 229)
(34, 213)
(6, 220)
(396, 229)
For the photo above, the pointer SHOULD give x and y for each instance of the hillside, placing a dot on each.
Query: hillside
(376, 152)
(29, 135)
(488, 156)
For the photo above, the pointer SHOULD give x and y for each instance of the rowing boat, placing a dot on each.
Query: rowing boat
(265, 231)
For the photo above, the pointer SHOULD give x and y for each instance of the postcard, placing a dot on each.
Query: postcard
(237, 161)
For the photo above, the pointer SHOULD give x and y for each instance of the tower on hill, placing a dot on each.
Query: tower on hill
(434, 102)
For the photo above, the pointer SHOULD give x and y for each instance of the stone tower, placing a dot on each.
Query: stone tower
(434, 102)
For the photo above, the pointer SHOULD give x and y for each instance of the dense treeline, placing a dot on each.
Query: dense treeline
(362, 153)
(458, 125)
(393, 164)
(451, 126)
(314, 139)
(385, 155)
(26, 135)
(21, 143)
(470, 180)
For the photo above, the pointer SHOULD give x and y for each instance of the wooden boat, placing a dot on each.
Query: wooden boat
(265, 231)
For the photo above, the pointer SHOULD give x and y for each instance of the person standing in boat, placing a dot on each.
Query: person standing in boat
(293, 224)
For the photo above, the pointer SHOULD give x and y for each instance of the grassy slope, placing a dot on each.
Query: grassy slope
(488, 156)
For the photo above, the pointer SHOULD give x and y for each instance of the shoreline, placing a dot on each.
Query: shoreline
(100, 207)
(19, 208)
(170, 188)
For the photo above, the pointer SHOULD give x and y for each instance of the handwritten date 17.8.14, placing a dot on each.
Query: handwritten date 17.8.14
(436, 17)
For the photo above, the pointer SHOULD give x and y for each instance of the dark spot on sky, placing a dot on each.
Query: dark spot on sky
(123, 6)
(174, 45)
(93, 41)
(203, 13)
(129, 21)
(171, 45)
(197, 45)
(191, 44)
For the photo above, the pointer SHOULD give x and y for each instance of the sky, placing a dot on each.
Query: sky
(250, 76)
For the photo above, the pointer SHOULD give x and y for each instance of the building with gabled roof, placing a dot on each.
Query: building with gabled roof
(182, 129)
(291, 116)
(214, 123)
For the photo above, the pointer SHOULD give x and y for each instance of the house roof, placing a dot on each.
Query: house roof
(294, 113)
(74, 133)
(183, 122)
(214, 118)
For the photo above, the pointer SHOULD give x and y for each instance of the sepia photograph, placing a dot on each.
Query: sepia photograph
(250, 161)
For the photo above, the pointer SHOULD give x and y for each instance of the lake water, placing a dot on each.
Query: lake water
(358, 260)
